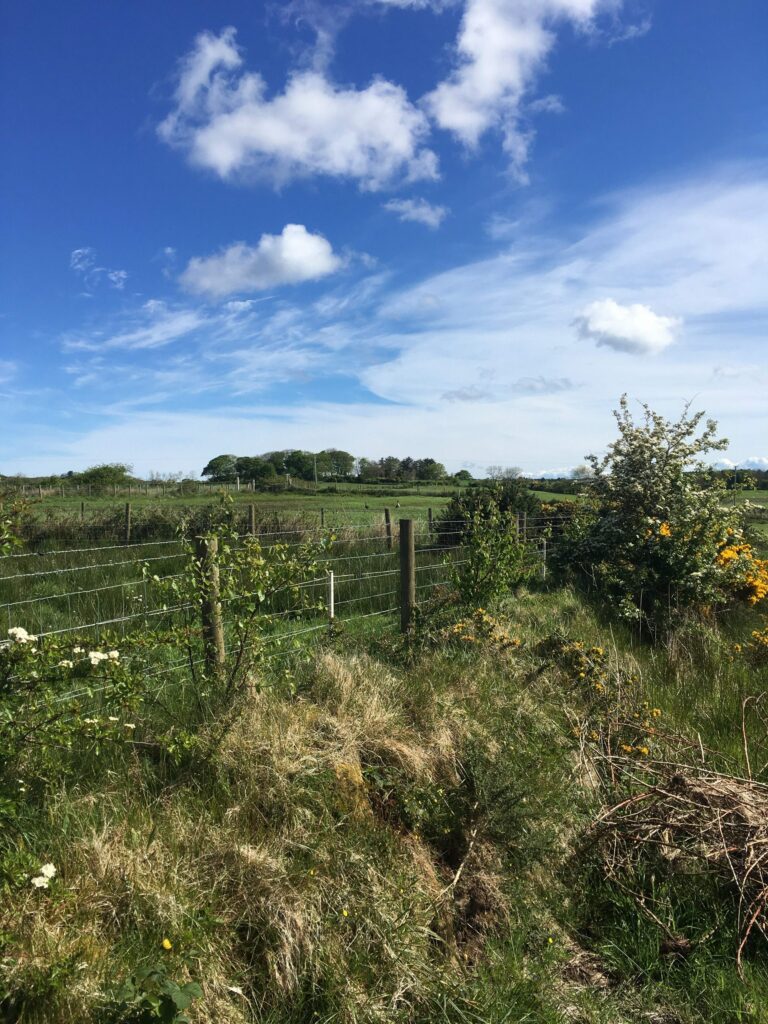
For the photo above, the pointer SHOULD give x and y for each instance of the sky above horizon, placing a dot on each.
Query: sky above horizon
(447, 228)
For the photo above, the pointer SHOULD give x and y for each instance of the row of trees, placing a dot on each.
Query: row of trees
(331, 464)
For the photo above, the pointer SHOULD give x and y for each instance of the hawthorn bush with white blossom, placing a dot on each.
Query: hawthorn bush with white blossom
(48, 725)
(655, 536)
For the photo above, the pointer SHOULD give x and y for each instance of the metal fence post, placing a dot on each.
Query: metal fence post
(207, 552)
(331, 598)
(407, 574)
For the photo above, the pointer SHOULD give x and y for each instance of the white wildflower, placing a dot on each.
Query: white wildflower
(113, 719)
(48, 871)
(78, 650)
(113, 655)
(66, 663)
(129, 725)
(96, 657)
(40, 882)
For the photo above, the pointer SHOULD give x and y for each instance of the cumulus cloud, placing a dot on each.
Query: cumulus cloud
(226, 122)
(293, 256)
(755, 462)
(634, 328)
(418, 210)
(502, 44)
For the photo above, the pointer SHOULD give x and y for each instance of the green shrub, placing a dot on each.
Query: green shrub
(654, 536)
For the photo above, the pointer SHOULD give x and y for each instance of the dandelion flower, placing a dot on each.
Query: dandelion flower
(166, 944)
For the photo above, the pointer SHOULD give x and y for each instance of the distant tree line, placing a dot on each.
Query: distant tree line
(329, 465)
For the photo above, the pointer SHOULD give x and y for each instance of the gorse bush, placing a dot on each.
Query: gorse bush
(654, 536)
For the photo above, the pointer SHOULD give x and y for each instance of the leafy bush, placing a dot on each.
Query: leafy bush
(495, 558)
(46, 732)
(655, 536)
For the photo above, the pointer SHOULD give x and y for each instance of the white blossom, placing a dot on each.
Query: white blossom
(20, 636)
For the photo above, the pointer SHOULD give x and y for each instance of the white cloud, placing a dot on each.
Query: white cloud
(502, 45)
(83, 262)
(154, 325)
(634, 328)
(418, 210)
(291, 257)
(756, 462)
(226, 122)
(464, 365)
(7, 370)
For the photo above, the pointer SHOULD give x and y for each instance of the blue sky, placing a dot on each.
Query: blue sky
(455, 228)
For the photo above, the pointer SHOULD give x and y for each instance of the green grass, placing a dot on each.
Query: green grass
(389, 832)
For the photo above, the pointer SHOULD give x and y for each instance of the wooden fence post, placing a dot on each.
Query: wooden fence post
(127, 522)
(322, 518)
(207, 552)
(388, 527)
(82, 511)
(431, 521)
(252, 520)
(407, 574)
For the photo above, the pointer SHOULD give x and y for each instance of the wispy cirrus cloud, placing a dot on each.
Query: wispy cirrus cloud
(85, 265)
(485, 353)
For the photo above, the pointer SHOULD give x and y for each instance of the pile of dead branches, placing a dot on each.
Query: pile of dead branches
(694, 818)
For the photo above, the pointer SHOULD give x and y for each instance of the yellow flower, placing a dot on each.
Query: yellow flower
(656, 712)
(166, 944)
(345, 912)
(643, 750)
(665, 530)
